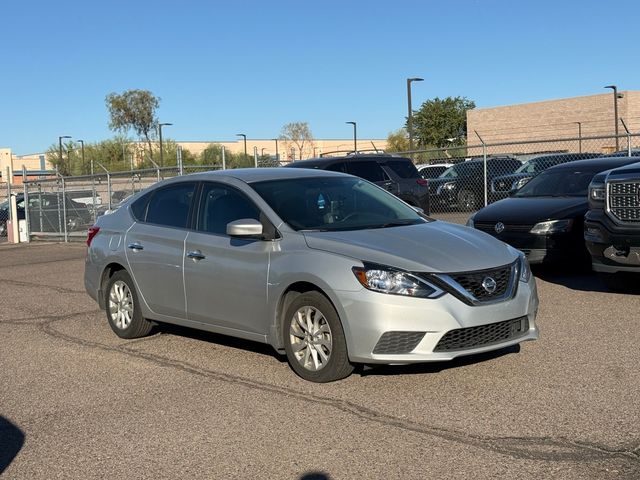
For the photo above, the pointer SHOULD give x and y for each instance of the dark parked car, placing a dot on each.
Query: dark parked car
(544, 219)
(462, 185)
(612, 226)
(397, 175)
(502, 185)
(46, 213)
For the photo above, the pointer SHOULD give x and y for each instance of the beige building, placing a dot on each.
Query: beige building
(587, 116)
(35, 164)
(288, 151)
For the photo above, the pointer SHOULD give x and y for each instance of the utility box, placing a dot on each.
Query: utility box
(22, 231)
(10, 235)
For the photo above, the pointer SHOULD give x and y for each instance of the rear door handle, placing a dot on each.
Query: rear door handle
(196, 255)
(136, 247)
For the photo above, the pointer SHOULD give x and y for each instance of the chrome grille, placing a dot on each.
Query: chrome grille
(472, 282)
(482, 335)
(392, 343)
(623, 201)
(490, 227)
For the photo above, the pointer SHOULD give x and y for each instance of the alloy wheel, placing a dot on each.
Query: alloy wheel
(121, 304)
(311, 339)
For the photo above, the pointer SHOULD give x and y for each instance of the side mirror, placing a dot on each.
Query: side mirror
(245, 227)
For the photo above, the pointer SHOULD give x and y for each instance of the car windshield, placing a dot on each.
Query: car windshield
(562, 182)
(461, 170)
(335, 203)
(529, 167)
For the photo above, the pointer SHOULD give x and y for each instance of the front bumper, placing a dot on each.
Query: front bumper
(613, 248)
(368, 315)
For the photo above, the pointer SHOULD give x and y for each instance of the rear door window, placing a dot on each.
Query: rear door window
(170, 206)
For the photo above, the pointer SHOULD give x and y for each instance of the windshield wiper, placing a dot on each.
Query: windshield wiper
(396, 223)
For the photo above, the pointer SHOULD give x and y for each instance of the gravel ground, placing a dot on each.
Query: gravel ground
(78, 402)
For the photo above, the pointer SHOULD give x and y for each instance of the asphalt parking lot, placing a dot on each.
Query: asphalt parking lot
(78, 402)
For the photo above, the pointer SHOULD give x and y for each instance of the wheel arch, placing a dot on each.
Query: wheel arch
(107, 273)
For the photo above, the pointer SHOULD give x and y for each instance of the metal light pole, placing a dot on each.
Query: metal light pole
(244, 137)
(262, 151)
(81, 142)
(579, 136)
(60, 147)
(355, 137)
(410, 110)
(615, 112)
(277, 156)
(160, 125)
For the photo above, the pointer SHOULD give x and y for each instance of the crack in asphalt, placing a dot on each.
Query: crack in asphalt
(22, 283)
(46, 262)
(530, 448)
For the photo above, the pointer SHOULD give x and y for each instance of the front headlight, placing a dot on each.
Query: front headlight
(395, 282)
(520, 183)
(446, 186)
(552, 226)
(597, 192)
(470, 222)
(525, 269)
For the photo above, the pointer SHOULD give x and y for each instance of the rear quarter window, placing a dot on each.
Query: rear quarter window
(403, 168)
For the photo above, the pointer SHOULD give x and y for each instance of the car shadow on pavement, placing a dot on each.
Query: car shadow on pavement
(435, 367)
(576, 279)
(219, 339)
(11, 441)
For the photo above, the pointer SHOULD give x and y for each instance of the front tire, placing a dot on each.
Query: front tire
(123, 308)
(314, 339)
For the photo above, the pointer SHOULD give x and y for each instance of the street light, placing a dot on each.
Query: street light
(410, 110)
(355, 138)
(579, 136)
(160, 125)
(81, 142)
(244, 137)
(615, 112)
(60, 147)
(277, 156)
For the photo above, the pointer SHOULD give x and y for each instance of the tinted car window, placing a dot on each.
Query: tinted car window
(170, 206)
(338, 167)
(139, 207)
(403, 168)
(220, 205)
(558, 183)
(369, 170)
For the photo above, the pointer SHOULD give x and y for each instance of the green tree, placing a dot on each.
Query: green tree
(442, 122)
(297, 133)
(398, 141)
(133, 110)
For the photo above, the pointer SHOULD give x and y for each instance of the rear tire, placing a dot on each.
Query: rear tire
(123, 308)
(314, 339)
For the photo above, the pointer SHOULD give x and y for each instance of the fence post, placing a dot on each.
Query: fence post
(157, 167)
(179, 155)
(484, 155)
(64, 210)
(628, 137)
(224, 158)
(255, 156)
(108, 183)
(26, 204)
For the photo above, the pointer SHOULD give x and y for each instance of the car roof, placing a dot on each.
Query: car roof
(323, 161)
(250, 175)
(426, 165)
(604, 163)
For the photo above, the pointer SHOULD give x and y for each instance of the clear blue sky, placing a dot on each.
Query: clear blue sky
(227, 67)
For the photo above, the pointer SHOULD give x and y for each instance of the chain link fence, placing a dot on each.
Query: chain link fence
(461, 180)
(464, 179)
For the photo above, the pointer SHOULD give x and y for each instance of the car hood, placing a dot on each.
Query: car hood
(429, 247)
(532, 210)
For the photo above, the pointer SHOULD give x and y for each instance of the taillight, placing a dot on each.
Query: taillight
(92, 232)
(422, 182)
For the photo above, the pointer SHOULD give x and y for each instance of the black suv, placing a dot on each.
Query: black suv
(398, 175)
(462, 186)
(501, 186)
(612, 225)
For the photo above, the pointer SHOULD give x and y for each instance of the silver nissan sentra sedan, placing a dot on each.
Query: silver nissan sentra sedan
(327, 268)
